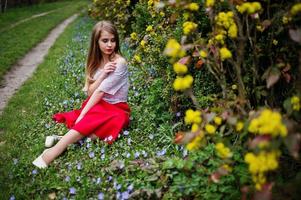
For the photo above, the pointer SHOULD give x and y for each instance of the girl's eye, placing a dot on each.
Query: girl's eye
(105, 40)
(113, 40)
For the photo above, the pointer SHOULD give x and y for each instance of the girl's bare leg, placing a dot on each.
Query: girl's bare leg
(92, 136)
(70, 137)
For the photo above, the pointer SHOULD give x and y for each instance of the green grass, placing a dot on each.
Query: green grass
(16, 42)
(13, 15)
(27, 120)
(137, 163)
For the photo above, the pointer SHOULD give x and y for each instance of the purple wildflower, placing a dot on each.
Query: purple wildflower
(126, 132)
(91, 154)
(130, 187)
(34, 172)
(125, 195)
(67, 179)
(100, 196)
(12, 197)
(161, 153)
(137, 154)
(72, 190)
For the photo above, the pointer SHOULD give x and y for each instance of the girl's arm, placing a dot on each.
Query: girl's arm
(96, 97)
(93, 86)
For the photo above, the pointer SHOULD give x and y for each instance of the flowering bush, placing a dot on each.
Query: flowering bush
(250, 96)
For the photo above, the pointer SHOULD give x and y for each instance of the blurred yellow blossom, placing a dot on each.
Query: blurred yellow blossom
(196, 142)
(268, 123)
(261, 164)
(249, 7)
(210, 129)
(194, 127)
(296, 9)
(188, 27)
(192, 117)
(286, 19)
(260, 28)
(174, 49)
(183, 83)
(227, 167)
(210, 3)
(275, 42)
(137, 58)
(222, 151)
(142, 43)
(203, 54)
(295, 101)
(162, 14)
(232, 32)
(217, 120)
(193, 6)
(149, 28)
(239, 126)
(225, 53)
(179, 68)
(134, 36)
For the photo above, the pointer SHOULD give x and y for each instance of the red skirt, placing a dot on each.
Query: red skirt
(105, 120)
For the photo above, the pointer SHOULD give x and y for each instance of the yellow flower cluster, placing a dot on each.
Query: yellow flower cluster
(203, 54)
(210, 129)
(192, 117)
(295, 101)
(218, 120)
(222, 151)
(188, 27)
(261, 164)
(183, 83)
(239, 126)
(193, 6)
(210, 3)
(142, 43)
(196, 142)
(268, 123)
(137, 58)
(286, 19)
(134, 36)
(174, 49)
(179, 68)
(226, 22)
(296, 9)
(249, 8)
(149, 28)
(225, 53)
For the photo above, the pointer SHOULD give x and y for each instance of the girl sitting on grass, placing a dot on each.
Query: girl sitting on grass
(105, 112)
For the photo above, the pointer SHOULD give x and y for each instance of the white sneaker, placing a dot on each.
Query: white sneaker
(39, 162)
(51, 140)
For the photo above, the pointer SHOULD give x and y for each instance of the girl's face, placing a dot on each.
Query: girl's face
(107, 43)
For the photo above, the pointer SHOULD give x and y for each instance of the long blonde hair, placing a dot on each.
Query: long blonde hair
(94, 55)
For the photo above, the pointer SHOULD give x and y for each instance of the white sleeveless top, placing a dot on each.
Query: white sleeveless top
(116, 84)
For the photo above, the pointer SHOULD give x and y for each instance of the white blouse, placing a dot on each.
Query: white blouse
(116, 84)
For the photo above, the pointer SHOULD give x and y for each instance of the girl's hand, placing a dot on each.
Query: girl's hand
(109, 67)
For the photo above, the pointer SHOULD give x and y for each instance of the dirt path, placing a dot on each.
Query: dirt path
(25, 67)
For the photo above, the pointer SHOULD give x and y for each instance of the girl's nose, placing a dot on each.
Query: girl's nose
(109, 44)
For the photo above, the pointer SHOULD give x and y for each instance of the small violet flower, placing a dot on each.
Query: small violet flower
(72, 190)
(100, 196)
